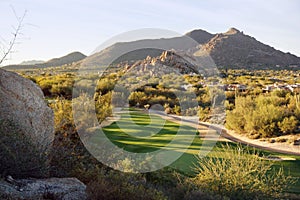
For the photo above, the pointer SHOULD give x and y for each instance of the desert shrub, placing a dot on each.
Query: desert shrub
(228, 105)
(238, 173)
(199, 194)
(260, 116)
(158, 100)
(173, 184)
(203, 114)
(62, 110)
(293, 140)
(263, 120)
(177, 110)
(103, 106)
(117, 185)
(46, 86)
(288, 124)
(168, 109)
(281, 140)
(204, 100)
(256, 91)
(63, 90)
(68, 152)
(137, 98)
(105, 85)
(235, 121)
(56, 86)
(19, 156)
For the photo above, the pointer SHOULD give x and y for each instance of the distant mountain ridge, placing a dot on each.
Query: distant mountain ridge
(31, 62)
(232, 49)
(64, 60)
(140, 49)
(235, 49)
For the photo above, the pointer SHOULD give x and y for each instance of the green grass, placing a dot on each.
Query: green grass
(133, 137)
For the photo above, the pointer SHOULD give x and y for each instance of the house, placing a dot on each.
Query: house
(236, 87)
(290, 88)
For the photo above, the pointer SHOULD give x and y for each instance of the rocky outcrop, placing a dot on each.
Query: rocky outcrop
(22, 104)
(168, 62)
(52, 188)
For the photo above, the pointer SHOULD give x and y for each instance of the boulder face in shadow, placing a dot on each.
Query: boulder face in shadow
(26, 127)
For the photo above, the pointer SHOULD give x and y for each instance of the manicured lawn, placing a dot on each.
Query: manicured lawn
(141, 136)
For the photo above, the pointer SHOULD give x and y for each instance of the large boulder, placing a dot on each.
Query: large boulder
(26, 126)
(52, 188)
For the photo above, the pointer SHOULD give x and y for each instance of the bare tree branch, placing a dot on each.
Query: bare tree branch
(17, 31)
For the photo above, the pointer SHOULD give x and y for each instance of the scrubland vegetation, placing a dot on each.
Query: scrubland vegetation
(217, 177)
(229, 172)
(253, 111)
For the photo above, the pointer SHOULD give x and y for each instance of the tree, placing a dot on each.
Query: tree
(257, 116)
(7, 47)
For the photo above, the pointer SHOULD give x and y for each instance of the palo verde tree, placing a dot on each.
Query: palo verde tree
(6, 46)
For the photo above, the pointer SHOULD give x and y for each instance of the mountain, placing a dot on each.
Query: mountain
(31, 62)
(140, 49)
(68, 59)
(235, 49)
(65, 60)
(200, 36)
(232, 49)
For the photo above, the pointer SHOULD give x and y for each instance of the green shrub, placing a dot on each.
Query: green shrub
(68, 152)
(137, 98)
(288, 124)
(105, 85)
(238, 173)
(116, 185)
(204, 114)
(260, 116)
(199, 194)
(177, 110)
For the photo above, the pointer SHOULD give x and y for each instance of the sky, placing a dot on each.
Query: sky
(58, 27)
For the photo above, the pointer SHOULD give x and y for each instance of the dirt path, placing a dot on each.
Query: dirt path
(227, 135)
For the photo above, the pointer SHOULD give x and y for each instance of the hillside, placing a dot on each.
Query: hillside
(232, 49)
(64, 60)
(200, 36)
(138, 50)
(235, 49)
(32, 62)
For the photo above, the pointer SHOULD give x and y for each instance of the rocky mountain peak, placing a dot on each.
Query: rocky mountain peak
(200, 35)
(235, 49)
(232, 31)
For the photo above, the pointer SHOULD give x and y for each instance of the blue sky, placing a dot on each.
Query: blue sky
(55, 28)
